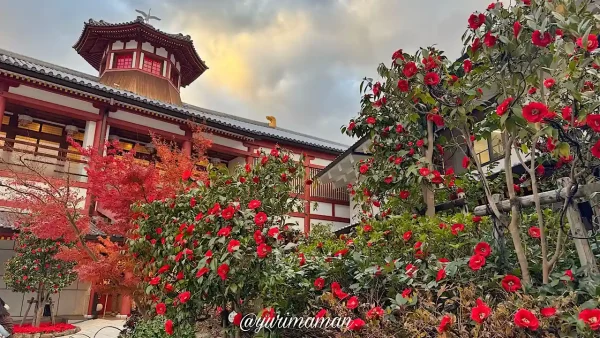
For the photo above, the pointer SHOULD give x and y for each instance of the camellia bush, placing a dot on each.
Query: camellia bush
(34, 269)
(214, 246)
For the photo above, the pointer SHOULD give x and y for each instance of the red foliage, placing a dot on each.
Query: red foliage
(43, 328)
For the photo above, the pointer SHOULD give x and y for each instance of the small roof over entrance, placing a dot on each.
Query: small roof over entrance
(342, 170)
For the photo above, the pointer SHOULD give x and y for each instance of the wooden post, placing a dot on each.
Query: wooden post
(579, 233)
(52, 316)
(30, 302)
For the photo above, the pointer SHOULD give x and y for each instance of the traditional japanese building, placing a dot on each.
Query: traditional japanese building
(136, 90)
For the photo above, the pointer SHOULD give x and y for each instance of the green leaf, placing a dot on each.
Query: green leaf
(569, 47)
(149, 289)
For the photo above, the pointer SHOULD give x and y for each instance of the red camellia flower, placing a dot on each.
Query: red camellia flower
(352, 303)
(371, 120)
(457, 227)
(258, 237)
(168, 287)
(441, 274)
(476, 219)
(517, 188)
(398, 55)
(432, 79)
(541, 40)
(511, 283)
(516, 29)
(237, 319)
(201, 272)
(321, 314)
(163, 269)
(388, 179)
(233, 245)
(367, 228)
(591, 317)
(351, 125)
(540, 170)
(467, 65)
(483, 248)
(226, 231)
(302, 259)
(223, 270)
(263, 250)
(548, 312)
(596, 149)
(273, 232)
(424, 171)
(260, 219)
(476, 262)
(404, 194)
(319, 283)
(465, 162)
(476, 20)
(169, 327)
(437, 119)
(356, 324)
(593, 121)
(184, 297)
(410, 270)
(445, 324)
(410, 69)
(480, 312)
(228, 212)
(475, 45)
(489, 40)
(503, 107)
(407, 236)
(535, 111)
(153, 281)
(526, 319)
(532, 90)
(534, 232)
(254, 204)
(406, 293)
(403, 85)
(161, 308)
(340, 253)
(376, 89)
(420, 143)
(364, 168)
(376, 312)
(569, 273)
(592, 42)
(549, 83)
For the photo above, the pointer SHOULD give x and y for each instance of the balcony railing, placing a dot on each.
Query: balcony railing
(328, 190)
(18, 155)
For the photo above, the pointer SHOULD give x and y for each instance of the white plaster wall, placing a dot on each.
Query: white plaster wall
(147, 46)
(226, 141)
(162, 52)
(178, 66)
(54, 98)
(320, 161)
(141, 60)
(73, 300)
(298, 220)
(133, 60)
(342, 211)
(338, 225)
(238, 161)
(172, 58)
(131, 44)
(111, 62)
(164, 68)
(322, 208)
(147, 121)
(118, 45)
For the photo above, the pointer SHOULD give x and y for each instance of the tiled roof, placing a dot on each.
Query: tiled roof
(7, 220)
(139, 19)
(220, 119)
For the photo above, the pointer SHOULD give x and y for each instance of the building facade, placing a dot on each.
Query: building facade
(141, 72)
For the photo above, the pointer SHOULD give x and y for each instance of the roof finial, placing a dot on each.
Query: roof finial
(147, 17)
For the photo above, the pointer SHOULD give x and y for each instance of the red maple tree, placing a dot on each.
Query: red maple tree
(54, 206)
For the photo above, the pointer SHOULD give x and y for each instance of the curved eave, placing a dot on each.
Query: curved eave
(192, 66)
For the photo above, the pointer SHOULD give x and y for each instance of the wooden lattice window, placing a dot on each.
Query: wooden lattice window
(123, 61)
(152, 66)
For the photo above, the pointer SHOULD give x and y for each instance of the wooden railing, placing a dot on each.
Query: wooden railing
(60, 162)
(328, 190)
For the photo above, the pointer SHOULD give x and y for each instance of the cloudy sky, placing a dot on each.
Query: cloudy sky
(299, 60)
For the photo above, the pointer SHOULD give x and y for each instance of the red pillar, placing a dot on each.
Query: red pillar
(3, 88)
(99, 139)
(250, 158)
(125, 310)
(306, 196)
(186, 147)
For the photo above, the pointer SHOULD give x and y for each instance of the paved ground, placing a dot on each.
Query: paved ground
(91, 328)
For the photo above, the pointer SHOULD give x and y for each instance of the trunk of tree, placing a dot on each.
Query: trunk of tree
(428, 191)
(538, 209)
(515, 218)
(39, 306)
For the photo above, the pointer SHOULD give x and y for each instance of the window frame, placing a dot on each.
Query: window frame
(119, 56)
(152, 61)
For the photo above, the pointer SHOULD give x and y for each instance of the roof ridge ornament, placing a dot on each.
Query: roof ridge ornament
(146, 16)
